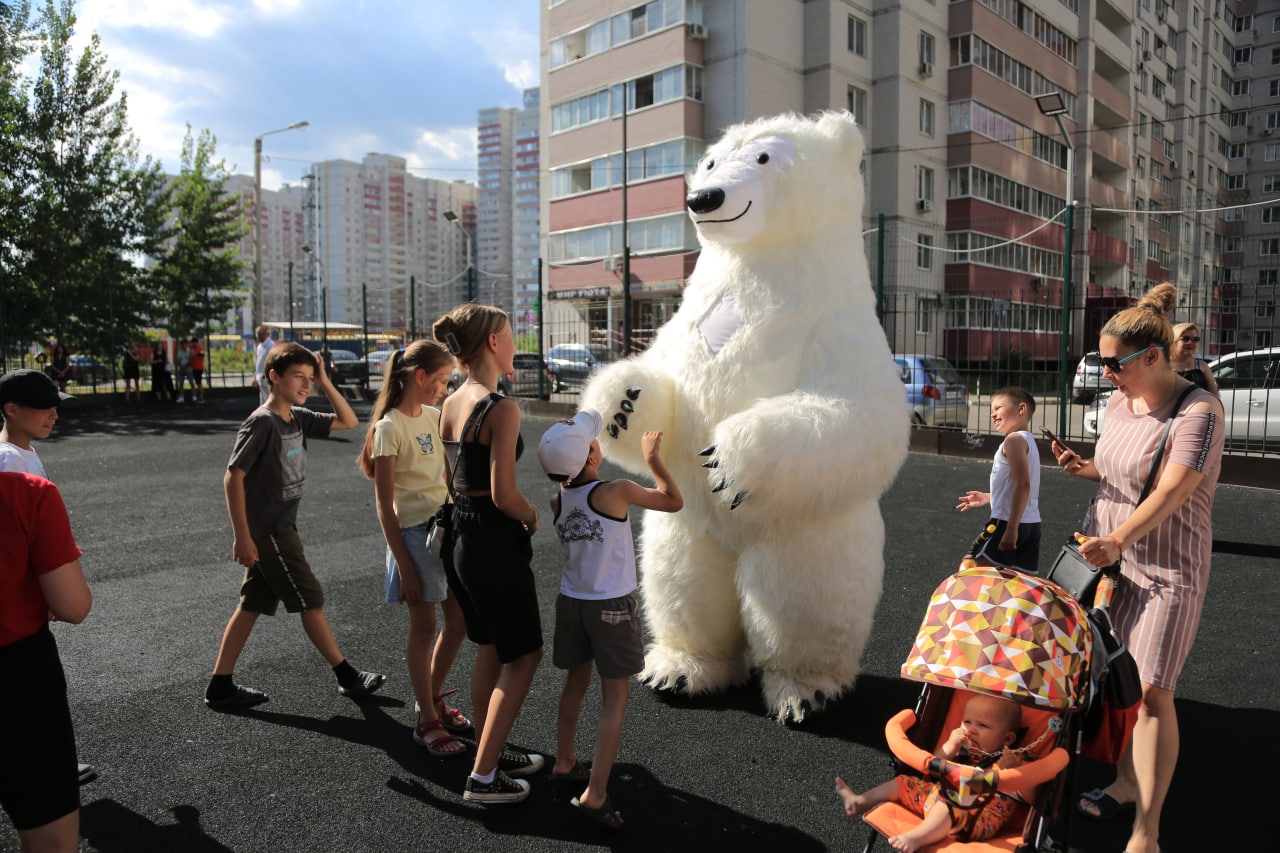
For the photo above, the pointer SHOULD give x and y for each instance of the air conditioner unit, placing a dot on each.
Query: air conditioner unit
(1191, 173)
(698, 32)
(1173, 165)
(925, 204)
(1266, 131)
(610, 264)
(926, 69)
(1146, 54)
(1141, 65)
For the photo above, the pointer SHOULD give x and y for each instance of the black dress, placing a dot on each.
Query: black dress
(1195, 374)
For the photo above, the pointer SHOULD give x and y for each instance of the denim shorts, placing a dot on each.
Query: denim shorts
(428, 566)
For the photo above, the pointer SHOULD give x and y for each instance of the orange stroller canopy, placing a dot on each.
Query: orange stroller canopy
(1005, 633)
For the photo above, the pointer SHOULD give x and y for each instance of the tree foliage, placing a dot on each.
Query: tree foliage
(198, 276)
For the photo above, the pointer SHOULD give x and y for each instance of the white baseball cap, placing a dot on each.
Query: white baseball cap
(565, 445)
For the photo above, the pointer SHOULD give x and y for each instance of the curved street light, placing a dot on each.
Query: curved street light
(257, 215)
(471, 280)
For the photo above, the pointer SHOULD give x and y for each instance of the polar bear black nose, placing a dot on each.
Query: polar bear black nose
(704, 201)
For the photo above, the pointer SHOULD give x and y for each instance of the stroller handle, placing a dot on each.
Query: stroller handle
(1031, 773)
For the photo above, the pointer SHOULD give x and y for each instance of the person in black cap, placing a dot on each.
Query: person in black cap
(29, 402)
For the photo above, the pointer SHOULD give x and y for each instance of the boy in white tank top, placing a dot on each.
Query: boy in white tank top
(596, 614)
(1015, 486)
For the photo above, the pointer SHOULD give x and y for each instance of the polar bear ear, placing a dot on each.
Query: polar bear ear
(842, 129)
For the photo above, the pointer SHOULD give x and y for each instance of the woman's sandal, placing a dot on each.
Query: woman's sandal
(453, 719)
(606, 815)
(436, 748)
(579, 772)
(1106, 805)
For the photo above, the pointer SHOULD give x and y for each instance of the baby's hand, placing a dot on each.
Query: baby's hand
(1009, 759)
(651, 444)
(955, 741)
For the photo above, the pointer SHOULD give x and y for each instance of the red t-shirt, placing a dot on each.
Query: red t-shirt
(36, 533)
(197, 357)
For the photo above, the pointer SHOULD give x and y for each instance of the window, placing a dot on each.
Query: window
(1235, 150)
(926, 117)
(1239, 118)
(1243, 23)
(858, 105)
(926, 49)
(1242, 56)
(924, 251)
(1233, 182)
(1269, 246)
(1273, 120)
(1271, 214)
(857, 36)
(1157, 87)
(1273, 88)
(1271, 152)
(924, 184)
(1240, 87)
(1275, 56)
(1270, 184)
(1142, 166)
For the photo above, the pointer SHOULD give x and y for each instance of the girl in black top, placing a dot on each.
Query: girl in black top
(492, 523)
(1186, 337)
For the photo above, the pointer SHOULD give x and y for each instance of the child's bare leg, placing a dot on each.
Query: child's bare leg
(576, 682)
(934, 828)
(447, 645)
(856, 804)
(608, 735)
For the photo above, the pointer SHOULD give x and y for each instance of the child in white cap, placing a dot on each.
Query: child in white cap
(596, 614)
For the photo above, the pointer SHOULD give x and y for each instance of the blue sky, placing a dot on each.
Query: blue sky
(402, 77)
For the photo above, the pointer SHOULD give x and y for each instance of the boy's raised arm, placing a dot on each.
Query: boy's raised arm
(346, 416)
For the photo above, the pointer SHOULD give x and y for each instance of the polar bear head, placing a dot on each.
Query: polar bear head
(773, 178)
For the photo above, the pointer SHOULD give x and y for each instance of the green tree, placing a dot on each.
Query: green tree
(198, 277)
(89, 208)
(16, 41)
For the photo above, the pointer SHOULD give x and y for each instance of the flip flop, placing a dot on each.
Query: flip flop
(606, 815)
(579, 772)
(1107, 805)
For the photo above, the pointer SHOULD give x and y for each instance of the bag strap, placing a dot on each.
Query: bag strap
(1164, 439)
(477, 416)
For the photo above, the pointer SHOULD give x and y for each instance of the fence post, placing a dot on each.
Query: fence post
(880, 269)
(1064, 369)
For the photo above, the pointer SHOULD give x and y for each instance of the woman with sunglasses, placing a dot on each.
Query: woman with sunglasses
(1186, 338)
(1165, 540)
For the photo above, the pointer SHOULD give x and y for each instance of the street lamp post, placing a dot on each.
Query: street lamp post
(257, 215)
(471, 281)
(1053, 104)
(324, 295)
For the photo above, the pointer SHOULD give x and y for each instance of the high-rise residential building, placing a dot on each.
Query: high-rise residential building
(971, 173)
(378, 247)
(526, 249)
(495, 179)
(283, 236)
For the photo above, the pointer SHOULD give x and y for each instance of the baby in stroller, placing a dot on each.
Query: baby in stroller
(989, 728)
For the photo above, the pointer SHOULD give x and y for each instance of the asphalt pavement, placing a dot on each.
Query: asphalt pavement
(312, 770)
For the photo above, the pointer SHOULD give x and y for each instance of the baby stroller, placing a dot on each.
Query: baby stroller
(1005, 633)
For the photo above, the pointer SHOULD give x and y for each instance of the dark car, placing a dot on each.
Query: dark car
(87, 370)
(347, 368)
(529, 378)
(570, 365)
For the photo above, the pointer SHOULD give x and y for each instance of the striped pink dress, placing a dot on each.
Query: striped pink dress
(1156, 609)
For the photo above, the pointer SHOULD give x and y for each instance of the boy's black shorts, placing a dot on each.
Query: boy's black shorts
(1027, 554)
(282, 573)
(492, 580)
(38, 777)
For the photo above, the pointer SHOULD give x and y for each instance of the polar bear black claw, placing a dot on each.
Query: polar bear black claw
(627, 406)
(721, 486)
(633, 393)
(708, 450)
(714, 463)
(737, 499)
(613, 430)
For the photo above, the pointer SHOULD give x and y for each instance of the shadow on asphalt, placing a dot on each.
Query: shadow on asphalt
(111, 828)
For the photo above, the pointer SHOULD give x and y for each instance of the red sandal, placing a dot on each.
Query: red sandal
(452, 719)
(437, 748)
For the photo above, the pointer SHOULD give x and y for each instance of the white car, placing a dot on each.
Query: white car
(1249, 386)
(1089, 381)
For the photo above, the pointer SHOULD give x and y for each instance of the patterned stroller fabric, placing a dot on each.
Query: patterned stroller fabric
(1001, 632)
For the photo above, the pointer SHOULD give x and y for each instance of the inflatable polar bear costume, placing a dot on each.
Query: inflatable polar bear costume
(785, 421)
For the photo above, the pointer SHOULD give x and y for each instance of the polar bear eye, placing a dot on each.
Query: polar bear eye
(763, 158)
(711, 164)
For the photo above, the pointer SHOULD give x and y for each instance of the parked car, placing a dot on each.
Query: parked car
(86, 370)
(1249, 386)
(377, 361)
(936, 393)
(347, 368)
(529, 379)
(1089, 381)
(571, 365)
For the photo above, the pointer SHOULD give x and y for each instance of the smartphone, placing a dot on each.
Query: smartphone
(1049, 435)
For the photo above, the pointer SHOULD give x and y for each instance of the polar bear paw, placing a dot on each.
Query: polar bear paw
(723, 482)
(673, 671)
(791, 696)
(626, 407)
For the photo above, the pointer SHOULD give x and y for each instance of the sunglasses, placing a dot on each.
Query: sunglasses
(1191, 339)
(1115, 365)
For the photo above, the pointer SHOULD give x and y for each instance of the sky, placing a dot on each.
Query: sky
(403, 77)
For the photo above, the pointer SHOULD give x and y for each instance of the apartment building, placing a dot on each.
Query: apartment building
(283, 235)
(379, 249)
(526, 250)
(970, 171)
(495, 179)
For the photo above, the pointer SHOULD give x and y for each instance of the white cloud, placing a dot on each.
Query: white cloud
(510, 49)
(275, 8)
(448, 154)
(194, 17)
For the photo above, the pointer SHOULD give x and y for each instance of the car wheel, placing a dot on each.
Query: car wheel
(556, 385)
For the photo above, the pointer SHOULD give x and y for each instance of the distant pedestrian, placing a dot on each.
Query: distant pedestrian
(493, 523)
(161, 381)
(597, 619)
(263, 486)
(197, 369)
(260, 354)
(1186, 339)
(130, 367)
(404, 456)
(182, 368)
(40, 579)
(60, 369)
(1015, 485)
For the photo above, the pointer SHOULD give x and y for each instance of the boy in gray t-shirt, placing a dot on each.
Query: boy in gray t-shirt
(263, 486)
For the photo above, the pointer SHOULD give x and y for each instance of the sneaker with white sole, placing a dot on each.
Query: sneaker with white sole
(503, 789)
(513, 762)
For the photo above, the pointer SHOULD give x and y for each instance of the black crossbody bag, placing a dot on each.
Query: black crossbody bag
(1075, 574)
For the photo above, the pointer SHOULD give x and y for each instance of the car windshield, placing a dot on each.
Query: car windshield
(941, 371)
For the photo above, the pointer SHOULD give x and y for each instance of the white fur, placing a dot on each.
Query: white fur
(808, 417)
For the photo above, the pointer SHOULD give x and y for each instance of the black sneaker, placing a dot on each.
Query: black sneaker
(503, 789)
(86, 772)
(366, 684)
(513, 762)
(242, 697)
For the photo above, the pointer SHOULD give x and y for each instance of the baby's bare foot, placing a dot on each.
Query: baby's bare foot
(905, 842)
(854, 804)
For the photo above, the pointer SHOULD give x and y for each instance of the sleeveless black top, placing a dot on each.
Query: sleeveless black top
(469, 460)
(1195, 374)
